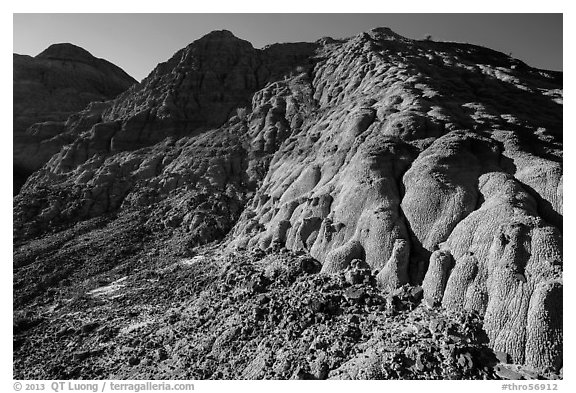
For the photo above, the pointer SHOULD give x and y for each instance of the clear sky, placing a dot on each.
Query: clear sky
(137, 42)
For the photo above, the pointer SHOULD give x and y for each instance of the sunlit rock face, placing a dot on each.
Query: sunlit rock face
(434, 163)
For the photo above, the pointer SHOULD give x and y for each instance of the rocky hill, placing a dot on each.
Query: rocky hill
(416, 184)
(48, 88)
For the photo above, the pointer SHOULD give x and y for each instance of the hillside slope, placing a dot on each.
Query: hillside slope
(49, 87)
(418, 163)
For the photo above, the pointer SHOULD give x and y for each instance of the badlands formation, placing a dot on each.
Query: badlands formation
(50, 87)
(369, 207)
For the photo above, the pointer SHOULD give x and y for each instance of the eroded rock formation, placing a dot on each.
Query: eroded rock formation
(50, 87)
(434, 163)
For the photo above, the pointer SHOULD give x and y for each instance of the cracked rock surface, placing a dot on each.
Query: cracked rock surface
(420, 180)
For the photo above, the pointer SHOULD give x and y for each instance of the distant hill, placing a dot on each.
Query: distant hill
(61, 80)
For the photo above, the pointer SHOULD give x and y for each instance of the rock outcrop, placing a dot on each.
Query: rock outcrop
(434, 163)
(48, 88)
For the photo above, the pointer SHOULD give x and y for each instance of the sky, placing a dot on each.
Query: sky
(138, 42)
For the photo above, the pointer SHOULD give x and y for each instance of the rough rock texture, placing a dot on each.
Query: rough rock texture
(340, 258)
(434, 283)
(432, 163)
(395, 273)
(48, 88)
(224, 316)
